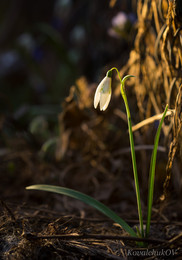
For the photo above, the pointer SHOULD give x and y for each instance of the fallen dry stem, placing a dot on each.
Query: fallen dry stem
(95, 237)
(152, 119)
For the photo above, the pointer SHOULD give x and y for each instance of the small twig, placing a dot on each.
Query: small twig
(175, 238)
(139, 148)
(96, 237)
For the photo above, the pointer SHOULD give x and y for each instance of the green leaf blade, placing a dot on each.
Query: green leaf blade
(152, 172)
(86, 199)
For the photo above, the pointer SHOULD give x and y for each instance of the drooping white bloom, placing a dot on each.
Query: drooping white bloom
(103, 93)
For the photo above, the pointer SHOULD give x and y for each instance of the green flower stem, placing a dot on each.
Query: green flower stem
(137, 189)
(152, 173)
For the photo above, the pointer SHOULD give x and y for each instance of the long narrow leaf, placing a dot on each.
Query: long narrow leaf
(152, 172)
(88, 200)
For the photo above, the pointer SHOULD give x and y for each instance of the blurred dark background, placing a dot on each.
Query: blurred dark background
(52, 56)
(46, 45)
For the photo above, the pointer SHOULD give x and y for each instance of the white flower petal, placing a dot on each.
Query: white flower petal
(97, 94)
(103, 93)
(96, 98)
(106, 87)
(107, 102)
(104, 100)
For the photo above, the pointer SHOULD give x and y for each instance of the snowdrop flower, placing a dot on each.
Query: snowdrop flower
(103, 93)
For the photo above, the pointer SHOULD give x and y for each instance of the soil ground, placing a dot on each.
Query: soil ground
(40, 225)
